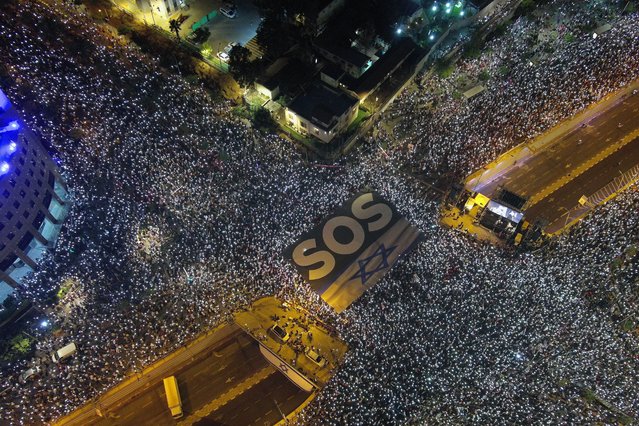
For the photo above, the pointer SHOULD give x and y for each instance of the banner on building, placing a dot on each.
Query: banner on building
(352, 248)
(291, 373)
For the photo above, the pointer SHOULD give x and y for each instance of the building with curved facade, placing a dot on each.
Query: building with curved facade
(33, 199)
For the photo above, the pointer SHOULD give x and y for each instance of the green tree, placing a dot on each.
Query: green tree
(262, 119)
(504, 70)
(243, 70)
(175, 26)
(525, 7)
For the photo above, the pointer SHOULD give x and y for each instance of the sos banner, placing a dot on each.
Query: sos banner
(352, 249)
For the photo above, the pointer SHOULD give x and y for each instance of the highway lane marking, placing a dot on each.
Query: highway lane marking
(199, 373)
(229, 395)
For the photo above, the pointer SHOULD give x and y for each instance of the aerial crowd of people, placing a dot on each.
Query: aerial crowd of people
(539, 73)
(180, 215)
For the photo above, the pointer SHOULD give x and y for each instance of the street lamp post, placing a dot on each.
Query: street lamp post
(280, 410)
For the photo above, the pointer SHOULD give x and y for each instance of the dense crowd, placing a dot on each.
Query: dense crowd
(180, 215)
(540, 72)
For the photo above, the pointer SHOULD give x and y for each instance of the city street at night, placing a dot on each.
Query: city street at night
(576, 159)
(172, 253)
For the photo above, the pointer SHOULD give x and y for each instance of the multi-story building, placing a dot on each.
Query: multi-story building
(316, 14)
(322, 112)
(33, 199)
(164, 8)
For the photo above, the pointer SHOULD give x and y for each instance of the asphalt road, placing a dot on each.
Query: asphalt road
(205, 379)
(554, 206)
(263, 404)
(240, 29)
(568, 152)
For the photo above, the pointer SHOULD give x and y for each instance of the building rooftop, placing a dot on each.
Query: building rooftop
(335, 42)
(397, 53)
(322, 105)
(333, 71)
(287, 74)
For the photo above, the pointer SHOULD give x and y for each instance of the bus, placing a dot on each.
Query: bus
(173, 396)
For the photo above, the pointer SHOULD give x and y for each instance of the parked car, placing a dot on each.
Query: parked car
(315, 357)
(280, 334)
(29, 374)
(225, 54)
(229, 10)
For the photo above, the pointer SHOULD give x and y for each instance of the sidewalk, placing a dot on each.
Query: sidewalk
(130, 387)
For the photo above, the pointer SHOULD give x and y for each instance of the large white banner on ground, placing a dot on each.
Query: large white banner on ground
(353, 248)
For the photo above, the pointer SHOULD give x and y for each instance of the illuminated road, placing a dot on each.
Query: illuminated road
(540, 170)
(579, 160)
(208, 378)
(263, 404)
(223, 378)
(553, 207)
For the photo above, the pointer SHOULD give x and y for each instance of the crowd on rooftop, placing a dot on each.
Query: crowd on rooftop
(181, 214)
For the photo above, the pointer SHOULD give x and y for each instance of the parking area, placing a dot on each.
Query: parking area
(240, 29)
(223, 30)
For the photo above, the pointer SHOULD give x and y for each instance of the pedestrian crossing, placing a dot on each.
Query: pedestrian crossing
(257, 51)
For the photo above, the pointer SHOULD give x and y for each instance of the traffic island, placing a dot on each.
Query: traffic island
(295, 342)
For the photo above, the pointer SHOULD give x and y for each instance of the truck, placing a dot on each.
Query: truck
(173, 396)
(63, 353)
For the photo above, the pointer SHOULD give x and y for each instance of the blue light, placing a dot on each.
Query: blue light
(11, 127)
(4, 167)
(4, 101)
(434, 8)
(44, 324)
(431, 37)
(398, 31)
(13, 146)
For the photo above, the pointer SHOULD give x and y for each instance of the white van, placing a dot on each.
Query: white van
(64, 352)
(29, 374)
